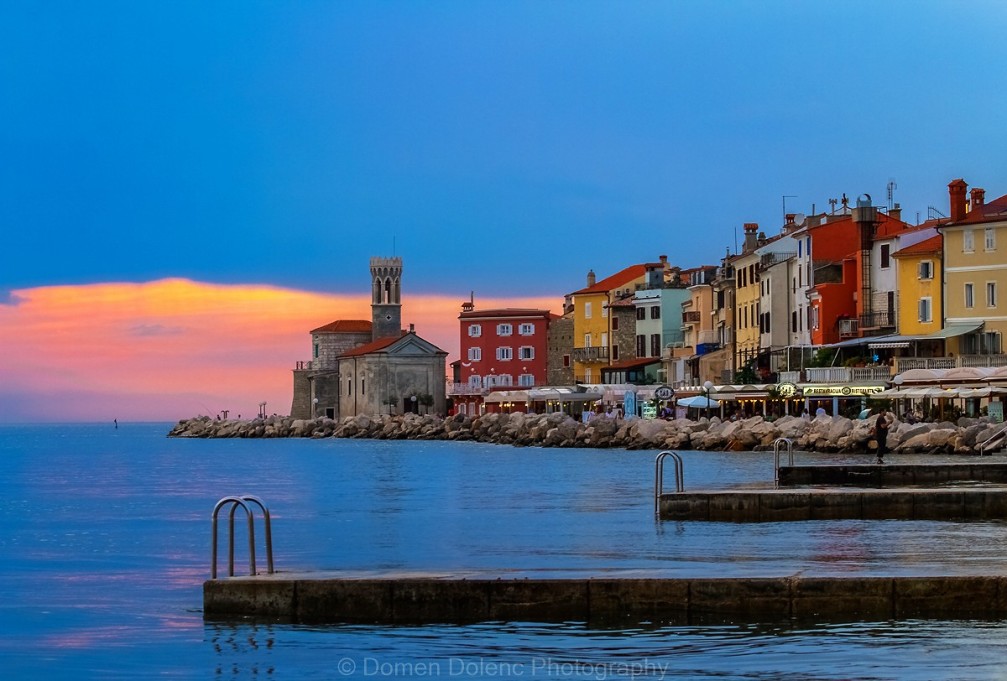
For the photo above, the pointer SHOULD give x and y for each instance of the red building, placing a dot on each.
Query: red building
(842, 273)
(500, 349)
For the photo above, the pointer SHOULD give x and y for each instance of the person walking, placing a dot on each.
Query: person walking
(881, 427)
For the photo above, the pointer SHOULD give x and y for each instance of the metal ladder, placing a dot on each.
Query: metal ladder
(659, 478)
(243, 501)
(780, 445)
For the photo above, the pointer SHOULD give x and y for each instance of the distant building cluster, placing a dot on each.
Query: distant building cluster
(828, 309)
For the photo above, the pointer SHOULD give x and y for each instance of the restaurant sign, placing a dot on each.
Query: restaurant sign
(841, 390)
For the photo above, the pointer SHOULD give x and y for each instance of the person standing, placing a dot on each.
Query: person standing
(881, 427)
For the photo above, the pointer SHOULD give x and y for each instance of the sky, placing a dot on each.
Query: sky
(187, 185)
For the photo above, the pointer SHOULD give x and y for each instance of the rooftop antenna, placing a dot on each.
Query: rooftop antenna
(735, 238)
(393, 245)
(891, 191)
(785, 197)
(833, 202)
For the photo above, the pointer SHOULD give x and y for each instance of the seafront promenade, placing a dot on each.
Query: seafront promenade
(821, 434)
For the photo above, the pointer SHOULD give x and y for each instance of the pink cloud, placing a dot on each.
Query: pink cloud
(174, 348)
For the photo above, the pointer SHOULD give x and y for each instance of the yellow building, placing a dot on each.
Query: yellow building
(975, 271)
(592, 323)
(919, 284)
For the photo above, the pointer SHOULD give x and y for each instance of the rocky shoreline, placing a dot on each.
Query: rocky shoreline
(822, 434)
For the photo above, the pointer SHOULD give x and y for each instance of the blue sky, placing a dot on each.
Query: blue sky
(501, 147)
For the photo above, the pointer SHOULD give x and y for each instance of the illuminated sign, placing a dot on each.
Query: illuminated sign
(841, 390)
(787, 390)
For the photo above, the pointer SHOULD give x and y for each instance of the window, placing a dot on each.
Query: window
(604, 311)
(926, 269)
(505, 380)
(991, 294)
(566, 360)
(504, 329)
(641, 345)
(526, 380)
(316, 351)
(765, 323)
(641, 313)
(969, 299)
(615, 352)
(587, 340)
(604, 339)
(793, 320)
(991, 238)
(587, 310)
(475, 354)
(926, 310)
(655, 312)
(504, 354)
(655, 345)
(475, 330)
(526, 352)
(615, 323)
(362, 386)
(475, 381)
(886, 256)
(526, 329)
(968, 241)
(815, 318)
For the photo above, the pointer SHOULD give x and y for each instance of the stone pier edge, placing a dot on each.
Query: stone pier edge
(675, 600)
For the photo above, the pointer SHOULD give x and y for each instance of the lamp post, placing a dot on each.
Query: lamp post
(708, 386)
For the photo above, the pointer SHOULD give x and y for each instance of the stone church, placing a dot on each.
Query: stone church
(371, 367)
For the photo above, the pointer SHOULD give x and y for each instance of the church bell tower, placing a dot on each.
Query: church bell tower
(386, 297)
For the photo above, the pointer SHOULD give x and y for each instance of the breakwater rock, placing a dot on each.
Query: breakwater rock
(823, 434)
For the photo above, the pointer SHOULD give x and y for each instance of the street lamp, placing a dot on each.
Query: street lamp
(708, 386)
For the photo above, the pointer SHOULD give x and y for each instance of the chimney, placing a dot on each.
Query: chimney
(664, 260)
(896, 212)
(976, 197)
(590, 278)
(956, 194)
(412, 329)
(751, 237)
(790, 219)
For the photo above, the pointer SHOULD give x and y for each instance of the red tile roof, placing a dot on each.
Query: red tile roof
(993, 211)
(373, 346)
(618, 279)
(345, 326)
(504, 312)
(928, 246)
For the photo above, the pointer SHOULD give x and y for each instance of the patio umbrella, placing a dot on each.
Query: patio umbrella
(698, 402)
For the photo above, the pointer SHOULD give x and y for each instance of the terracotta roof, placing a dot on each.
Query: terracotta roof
(504, 312)
(993, 211)
(618, 279)
(928, 246)
(373, 346)
(345, 326)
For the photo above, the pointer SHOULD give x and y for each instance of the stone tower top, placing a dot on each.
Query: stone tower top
(386, 297)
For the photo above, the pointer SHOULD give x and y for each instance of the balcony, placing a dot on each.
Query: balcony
(691, 317)
(878, 320)
(465, 389)
(848, 374)
(590, 355)
(848, 328)
(907, 363)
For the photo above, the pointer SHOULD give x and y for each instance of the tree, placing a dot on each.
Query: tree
(427, 400)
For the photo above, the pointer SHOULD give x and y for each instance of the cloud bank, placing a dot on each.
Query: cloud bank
(175, 348)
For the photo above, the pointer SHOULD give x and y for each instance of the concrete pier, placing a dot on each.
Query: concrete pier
(772, 505)
(893, 475)
(418, 599)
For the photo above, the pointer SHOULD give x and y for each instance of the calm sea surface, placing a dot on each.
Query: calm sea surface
(105, 542)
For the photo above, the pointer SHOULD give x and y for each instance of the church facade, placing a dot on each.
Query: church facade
(371, 367)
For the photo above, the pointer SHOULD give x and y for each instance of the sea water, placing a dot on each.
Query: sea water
(105, 543)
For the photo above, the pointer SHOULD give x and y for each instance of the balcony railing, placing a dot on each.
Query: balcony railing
(878, 320)
(847, 374)
(465, 389)
(690, 317)
(790, 377)
(599, 354)
(848, 327)
(907, 363)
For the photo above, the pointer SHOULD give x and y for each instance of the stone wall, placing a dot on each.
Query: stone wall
(823, 434)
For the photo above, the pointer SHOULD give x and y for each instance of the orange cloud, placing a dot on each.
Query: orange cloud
(174, 348)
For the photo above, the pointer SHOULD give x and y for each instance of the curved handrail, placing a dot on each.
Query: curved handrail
(236, 501)
(997, 434)
(659, 477)
(778, 445)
